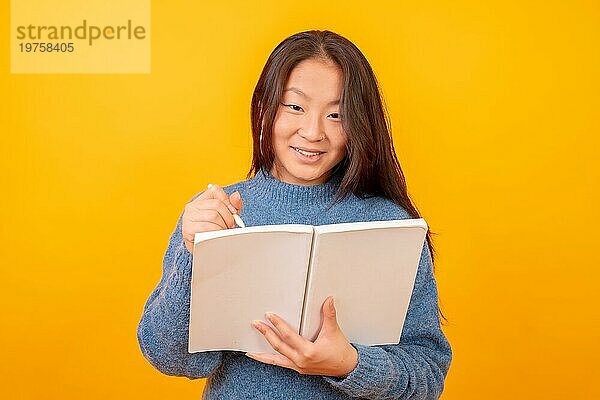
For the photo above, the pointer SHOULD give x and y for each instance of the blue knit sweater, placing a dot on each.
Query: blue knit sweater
(415, 368)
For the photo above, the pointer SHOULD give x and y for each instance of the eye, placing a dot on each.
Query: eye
(297, 108)
(336, 115)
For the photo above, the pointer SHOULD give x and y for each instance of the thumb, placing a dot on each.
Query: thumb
(329, 325)
(236, 200)
(329, 313)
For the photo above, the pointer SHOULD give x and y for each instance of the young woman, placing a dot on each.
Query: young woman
(323, 154)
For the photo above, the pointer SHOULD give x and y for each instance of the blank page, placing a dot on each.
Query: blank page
(237, 276)
(370, 269)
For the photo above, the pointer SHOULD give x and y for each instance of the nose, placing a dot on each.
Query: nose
(312, 129)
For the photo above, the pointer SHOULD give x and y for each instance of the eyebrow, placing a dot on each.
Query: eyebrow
(301, 93)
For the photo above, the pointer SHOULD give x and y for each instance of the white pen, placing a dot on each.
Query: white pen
(236, 217)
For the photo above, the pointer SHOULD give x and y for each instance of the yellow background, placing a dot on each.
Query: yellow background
(495, 115)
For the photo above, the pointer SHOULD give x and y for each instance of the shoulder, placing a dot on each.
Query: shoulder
(375, 208)
(382, 209)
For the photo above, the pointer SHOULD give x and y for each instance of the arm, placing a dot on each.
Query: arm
(163, 329)
(417, 366)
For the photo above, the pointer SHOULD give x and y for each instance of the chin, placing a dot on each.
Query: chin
(307, 177)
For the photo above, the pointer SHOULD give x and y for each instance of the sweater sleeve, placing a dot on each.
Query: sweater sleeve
(163, 329)
(416, 367)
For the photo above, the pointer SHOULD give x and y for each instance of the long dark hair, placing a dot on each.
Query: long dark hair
(370, 167)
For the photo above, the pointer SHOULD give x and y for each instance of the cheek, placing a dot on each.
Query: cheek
(282, 131)
(339, 142)
(283, 124)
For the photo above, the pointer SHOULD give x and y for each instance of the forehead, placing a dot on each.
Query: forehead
(315, 79)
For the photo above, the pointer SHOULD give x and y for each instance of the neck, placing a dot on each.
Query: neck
(276, 172)
(268, 187)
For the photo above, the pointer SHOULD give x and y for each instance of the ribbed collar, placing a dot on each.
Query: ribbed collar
(266, 186)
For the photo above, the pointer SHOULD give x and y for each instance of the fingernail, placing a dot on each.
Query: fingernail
(232, 209)
(239, 221)
(210, 185)
(269, 315)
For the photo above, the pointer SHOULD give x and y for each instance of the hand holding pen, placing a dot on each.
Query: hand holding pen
(211, 211)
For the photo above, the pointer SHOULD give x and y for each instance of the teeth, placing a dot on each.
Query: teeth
(306, 153)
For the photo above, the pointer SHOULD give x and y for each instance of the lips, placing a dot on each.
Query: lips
(307, 152)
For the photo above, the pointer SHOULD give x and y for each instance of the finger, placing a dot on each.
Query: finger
(329, 309)
(189, 232)
(189, 246)
(217, 192)
(188, 236)
(274, 359)
(236, 201)
(286, 333)
(274, 340)
(214, 204)
(209, 214)
(329, 317)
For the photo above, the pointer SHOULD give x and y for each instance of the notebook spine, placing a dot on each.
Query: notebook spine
(307, 286)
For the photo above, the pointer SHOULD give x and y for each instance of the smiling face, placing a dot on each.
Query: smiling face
(308, 138)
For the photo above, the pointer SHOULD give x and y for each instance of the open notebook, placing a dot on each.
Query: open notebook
(239, 274)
